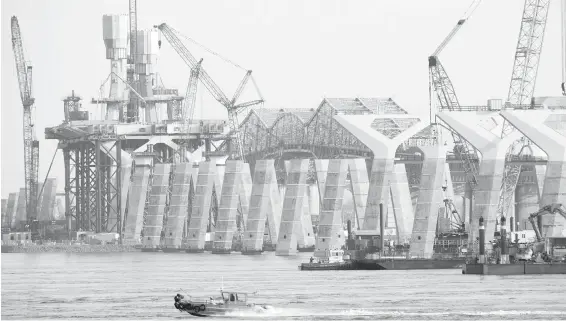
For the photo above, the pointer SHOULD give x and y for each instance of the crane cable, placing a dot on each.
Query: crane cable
(207, 49)
(471, 9)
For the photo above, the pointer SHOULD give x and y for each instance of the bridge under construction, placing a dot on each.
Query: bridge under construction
(145, 168)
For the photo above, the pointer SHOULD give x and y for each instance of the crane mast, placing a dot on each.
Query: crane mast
(563, 47)
(522, 86)
(31, 144)
(230, 104)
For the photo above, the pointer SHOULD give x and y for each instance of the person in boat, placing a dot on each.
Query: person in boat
(232, 297)
(312, 259)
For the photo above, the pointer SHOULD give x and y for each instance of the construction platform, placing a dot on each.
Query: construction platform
(514, 269)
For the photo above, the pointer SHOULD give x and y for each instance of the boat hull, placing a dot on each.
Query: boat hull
(408, 264)
(327, 266)
(401, 264)
(147, 249)
(206, 309)
(514, 269)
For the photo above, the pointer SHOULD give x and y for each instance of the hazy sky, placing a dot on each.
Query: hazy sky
(300, 52)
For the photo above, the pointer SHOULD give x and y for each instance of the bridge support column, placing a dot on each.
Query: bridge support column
(330, 233)
(198, 222)
(137, 195)
(430, 198)
(546, 129)
(491, 167)
(228, 207)
(402, 204)
(314, 203)
(321, 168)
(178, 206)
(265, 204)
(378, 192)
(156, 208)
(305, 236)
(292, 207)
(360, 186)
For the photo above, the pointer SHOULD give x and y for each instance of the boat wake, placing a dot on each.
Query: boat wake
(370, 314)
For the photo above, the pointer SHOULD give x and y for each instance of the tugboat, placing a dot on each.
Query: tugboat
(333, 260)
(228, 301)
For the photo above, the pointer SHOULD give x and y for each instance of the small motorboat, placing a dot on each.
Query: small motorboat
(227, 302)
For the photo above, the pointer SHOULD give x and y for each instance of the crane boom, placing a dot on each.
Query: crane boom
(522, 86)
(212, 87)
(31, 144)
(190, 96)
(446, 98)
(527, 54)
(563, 47)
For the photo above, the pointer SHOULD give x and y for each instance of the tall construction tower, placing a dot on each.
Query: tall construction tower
(31, 144)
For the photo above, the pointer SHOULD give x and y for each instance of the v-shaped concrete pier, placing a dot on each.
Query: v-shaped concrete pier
(547, 129)
(483, 131)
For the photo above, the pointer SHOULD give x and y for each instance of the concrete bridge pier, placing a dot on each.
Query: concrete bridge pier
(402, 204)
(295, 192)
(430, 200)
(492, 165)
(546, 129)
(383, 144)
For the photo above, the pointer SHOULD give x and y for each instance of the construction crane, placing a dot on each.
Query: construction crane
(188, 109)
(521, 88)
(555, 208)
(132, 110)
(31, 144)
(446, 98)
(563, 85)
(230, 104)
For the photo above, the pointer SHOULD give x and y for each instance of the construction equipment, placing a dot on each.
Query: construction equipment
(31, 144)
(555, 208)
(522, 86)
(230, 104)
(446, 98)
(563, 85)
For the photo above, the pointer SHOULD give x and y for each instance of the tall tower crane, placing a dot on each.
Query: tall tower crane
(522, 86)
(132, 109)
(31, 144)
(230, 104)
(446, 99)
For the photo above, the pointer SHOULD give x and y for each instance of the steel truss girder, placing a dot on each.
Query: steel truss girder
(93, 186)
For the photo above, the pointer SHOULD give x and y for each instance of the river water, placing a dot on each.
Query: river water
(141, 286)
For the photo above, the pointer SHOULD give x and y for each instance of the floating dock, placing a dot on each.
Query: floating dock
(514, 269)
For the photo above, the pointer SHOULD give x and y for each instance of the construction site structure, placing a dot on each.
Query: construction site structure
(133, 125)
(133, 160)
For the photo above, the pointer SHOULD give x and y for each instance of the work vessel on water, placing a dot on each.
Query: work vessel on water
(227, 302)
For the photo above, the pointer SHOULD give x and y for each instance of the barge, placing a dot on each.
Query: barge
(514, 269)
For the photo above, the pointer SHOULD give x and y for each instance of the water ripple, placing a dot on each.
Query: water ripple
(141, 286)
